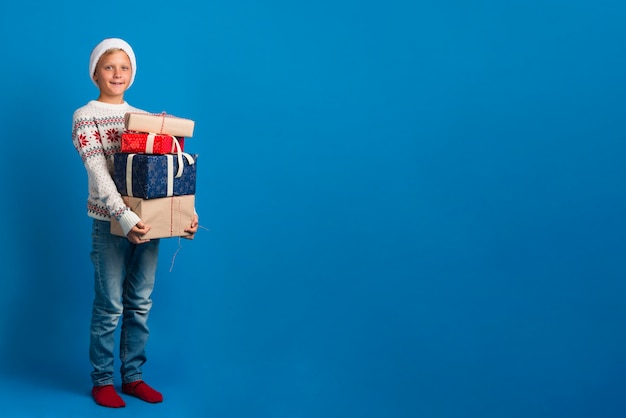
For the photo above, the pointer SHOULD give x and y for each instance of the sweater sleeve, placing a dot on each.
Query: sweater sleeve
(86, 140)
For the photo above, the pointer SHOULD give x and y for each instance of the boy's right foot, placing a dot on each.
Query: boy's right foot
(107, 396)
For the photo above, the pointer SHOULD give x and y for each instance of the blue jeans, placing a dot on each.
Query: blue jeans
(124, 279)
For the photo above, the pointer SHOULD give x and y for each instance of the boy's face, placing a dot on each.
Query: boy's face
(112, 75)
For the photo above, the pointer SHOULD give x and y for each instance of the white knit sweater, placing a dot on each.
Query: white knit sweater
(96, 133)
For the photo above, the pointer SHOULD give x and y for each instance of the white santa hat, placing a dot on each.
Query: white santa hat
(104, 46)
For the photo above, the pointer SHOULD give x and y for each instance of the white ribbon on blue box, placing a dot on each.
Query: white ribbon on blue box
(143, 175)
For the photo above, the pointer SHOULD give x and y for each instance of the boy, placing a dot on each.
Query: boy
(124, 267)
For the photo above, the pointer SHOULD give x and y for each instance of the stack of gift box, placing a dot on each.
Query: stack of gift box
(155, 177)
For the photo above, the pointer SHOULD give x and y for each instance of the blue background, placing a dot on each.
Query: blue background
(408, 208)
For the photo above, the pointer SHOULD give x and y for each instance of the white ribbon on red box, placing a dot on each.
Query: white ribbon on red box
(150, 143)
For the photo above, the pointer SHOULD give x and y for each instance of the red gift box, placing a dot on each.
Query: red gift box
(136, 142)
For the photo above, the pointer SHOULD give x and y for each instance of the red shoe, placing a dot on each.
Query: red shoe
(107, 396)
(141, 390)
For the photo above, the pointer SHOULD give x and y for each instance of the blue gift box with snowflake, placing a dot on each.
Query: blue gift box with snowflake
(150, 176)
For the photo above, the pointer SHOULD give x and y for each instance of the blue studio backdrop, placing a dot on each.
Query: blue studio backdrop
(407, 208)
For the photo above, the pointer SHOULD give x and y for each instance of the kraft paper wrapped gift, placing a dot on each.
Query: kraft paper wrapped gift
(139, 142)
(150, 176)
(168, 216)
(159, 123)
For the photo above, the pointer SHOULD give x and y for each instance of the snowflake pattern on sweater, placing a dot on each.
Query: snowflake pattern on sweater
(97, 130)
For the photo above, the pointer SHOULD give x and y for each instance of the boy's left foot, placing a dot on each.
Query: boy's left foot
(141, 390)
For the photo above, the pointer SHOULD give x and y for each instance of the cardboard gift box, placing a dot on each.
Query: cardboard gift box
(167, 216)
(138, 142)
(159, 123)
(150, 176)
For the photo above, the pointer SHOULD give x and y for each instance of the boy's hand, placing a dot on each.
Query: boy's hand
(194, 227)
(136, 234)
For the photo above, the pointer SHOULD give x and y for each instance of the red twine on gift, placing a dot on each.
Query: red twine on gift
(162, 122)
(172, 216)
(172, 231)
